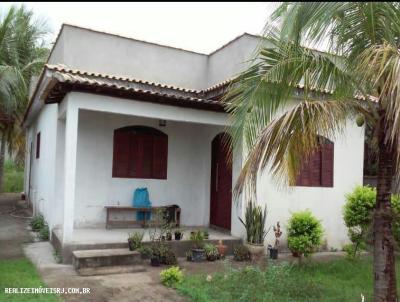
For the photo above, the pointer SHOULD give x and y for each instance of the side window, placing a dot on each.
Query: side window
(38, 145)
(317, 170)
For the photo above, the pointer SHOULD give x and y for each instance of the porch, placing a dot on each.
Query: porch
(94, 168)
(99, 238)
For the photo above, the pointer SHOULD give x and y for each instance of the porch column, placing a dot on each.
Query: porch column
(71, 137)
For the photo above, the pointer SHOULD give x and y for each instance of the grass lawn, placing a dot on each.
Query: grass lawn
(21, 273)
(13, 177)
(339, 280)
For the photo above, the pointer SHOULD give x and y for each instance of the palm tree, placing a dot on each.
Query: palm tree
(357, 78)
(22, 55)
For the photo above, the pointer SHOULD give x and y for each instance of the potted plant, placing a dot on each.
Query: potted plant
(211, 252)
(304, 234)
(145, 252)
(221, 247)
(241, 253)
(254, 224)
(155, 258)
(206, 234)
(273, 251)
(178, 234)
(189, 255)
(197, 249)
(135, 240)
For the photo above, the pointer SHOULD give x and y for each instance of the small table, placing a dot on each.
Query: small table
(131, 223)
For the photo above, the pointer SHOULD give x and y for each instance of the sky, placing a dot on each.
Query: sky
(201, 27)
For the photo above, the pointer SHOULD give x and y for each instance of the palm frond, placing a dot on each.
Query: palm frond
(293, 136)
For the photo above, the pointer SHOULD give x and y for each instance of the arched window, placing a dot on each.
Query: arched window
(140, 152)
(317, 171)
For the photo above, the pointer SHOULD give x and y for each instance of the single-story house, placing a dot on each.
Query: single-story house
(111, 114)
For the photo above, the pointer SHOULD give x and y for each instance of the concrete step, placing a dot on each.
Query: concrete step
(108, 270)
(104, 258)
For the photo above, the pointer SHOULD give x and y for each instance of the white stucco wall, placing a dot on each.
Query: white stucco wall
(325, 203)
(43, 168)
(149, 61)
(93, 51)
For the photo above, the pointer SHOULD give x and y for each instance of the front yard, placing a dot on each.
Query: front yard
(21, 273)
(338, 280)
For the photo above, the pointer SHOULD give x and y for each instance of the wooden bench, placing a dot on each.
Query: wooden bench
(114, 223)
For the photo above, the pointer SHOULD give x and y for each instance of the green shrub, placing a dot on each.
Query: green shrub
(357, 215)
(241, 253)
(211, 252)
(172, 276)
(145, 251)
(37, 223)
(135, 240)
(396, 218)
(255, 218)
(304, 233)
(198, 239)
(44, 232)
(13, 177)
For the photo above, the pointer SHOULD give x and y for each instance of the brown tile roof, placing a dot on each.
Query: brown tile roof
(64, 79)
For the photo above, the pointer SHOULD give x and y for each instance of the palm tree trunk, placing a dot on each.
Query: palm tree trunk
(384, 260)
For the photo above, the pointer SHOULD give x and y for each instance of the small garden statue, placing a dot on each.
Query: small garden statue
(273, 252)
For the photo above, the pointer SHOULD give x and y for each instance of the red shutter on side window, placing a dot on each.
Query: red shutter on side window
(317, 171)
(160, 157)
(327, 165)
(121, 155)
(38, 145)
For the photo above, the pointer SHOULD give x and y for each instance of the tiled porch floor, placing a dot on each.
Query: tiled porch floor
(102, 236)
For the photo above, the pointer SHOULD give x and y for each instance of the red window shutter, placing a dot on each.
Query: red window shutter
(146, 156)
(160, 157)
(121, 155)
(327, 156)
(140, 152)
(135, 147)
(315, 168)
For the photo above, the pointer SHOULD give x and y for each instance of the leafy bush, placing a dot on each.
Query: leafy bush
(135, 240)
(255, 218)
(351, 251)
(357, 214)
(241, 253)
(172, 276)
(198, 239)
(44, 232)
(13, 177)
(168, 257)
(37, 223)
(396, 218)
(145, 252)
(304, 233)
(211, 252)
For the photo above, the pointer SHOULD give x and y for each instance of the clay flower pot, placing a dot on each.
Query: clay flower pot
(222, 248)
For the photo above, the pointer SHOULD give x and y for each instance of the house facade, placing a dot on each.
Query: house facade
(111, 114)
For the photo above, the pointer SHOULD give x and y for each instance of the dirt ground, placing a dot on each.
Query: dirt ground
(13, 231)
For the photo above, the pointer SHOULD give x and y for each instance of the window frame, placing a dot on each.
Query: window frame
(133, 147)
(38, 137)
(324, 157)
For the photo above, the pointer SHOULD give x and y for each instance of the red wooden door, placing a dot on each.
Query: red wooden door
(221, 183)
